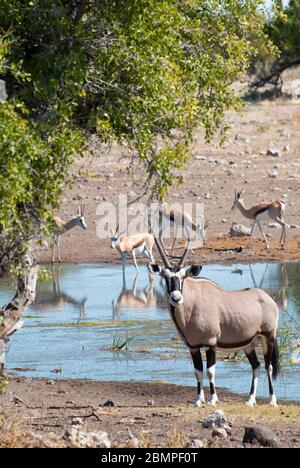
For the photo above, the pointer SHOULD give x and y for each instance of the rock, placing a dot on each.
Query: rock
(220, 433)
(50, 382)
(294, 226)
(207, 196)
(109, 404)
(242, 138)
(83, 439)
(273, 173)
(197, 443)
(17, 401)
(273, 152)
(261, 434)
(216, 419)
(200, 158)
(286, 148)
(274, 225)
(77, 422)
(151, 403)
(238, 230)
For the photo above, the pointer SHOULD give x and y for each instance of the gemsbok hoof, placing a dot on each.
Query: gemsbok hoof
(251, 403)
(213, 402)
(199, 403)
(273, 401)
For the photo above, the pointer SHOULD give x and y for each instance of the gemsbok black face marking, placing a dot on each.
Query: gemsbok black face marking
(206, 315)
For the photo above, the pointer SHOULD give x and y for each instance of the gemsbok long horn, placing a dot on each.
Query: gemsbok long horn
(162, 253)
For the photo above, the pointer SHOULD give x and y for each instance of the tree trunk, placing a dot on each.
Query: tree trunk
(11, 314)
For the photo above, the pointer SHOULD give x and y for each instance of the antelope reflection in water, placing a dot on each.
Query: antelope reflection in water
(139, 298)
(47, 301)
(278, 294)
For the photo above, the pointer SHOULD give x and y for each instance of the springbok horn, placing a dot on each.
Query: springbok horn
(162, 253)
(184, 256)
(117, 230)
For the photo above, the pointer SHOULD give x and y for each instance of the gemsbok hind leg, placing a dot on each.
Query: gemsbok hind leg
(272, 364)
(198, 366)
(211, 359)
(255, 364)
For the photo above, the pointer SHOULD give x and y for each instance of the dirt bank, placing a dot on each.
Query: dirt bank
(158, 414)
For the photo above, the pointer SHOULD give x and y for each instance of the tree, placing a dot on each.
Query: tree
(283, 30)
(147, 72)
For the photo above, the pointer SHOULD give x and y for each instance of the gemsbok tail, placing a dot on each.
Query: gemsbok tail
(275, 360)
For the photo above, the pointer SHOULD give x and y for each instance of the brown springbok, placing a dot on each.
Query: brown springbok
(264, 210)
(206, 315)
(132, 245)
(62, 226)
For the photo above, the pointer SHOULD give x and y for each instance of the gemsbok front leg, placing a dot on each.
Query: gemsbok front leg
(198, 366)
(211, 359)
(255, 364)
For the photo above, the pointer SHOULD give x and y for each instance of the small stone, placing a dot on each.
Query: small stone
(109, 404)
(220, 433)
(17, 401)
(207, 196)
(151, 403)
(50, 382)
(273, 173)
(197, 443)
(238, 230)
(294, 226)
(83, 439)
(216, 419)
(200, 158)
(77, 422)
(261, 434)
(274, 225)
(224, 221)
(273, 152)
(286, 148)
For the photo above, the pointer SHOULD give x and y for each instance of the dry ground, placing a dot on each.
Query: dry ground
(159, 415)
(241, 163)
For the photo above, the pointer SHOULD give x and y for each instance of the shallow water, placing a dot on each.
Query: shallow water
(72, 325)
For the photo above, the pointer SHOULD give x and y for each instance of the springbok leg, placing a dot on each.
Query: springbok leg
(198, 366)
(269, 349)
(251, 235)
(134, 261)
(211, 372)
(255, 364)
(264, 236)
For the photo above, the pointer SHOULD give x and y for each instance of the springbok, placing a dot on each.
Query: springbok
(63, 226)
(132, 245)
(180, 219)
(206, 315)
(273, 210)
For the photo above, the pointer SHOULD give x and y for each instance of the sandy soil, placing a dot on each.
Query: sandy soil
(157, 414)
(241, 163)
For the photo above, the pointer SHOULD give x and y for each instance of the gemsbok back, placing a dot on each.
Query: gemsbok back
(207, 316)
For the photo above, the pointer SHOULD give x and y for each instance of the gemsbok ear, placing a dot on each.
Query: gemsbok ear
(154, 268)
(193, 270)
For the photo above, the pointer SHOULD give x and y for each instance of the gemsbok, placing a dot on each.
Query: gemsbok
(62, 226)
(264, 210)
(133, 245)
(207, 316)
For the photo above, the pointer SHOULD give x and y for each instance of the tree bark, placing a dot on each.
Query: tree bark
(11, 314)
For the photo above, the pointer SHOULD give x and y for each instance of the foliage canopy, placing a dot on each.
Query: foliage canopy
(147, 72)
